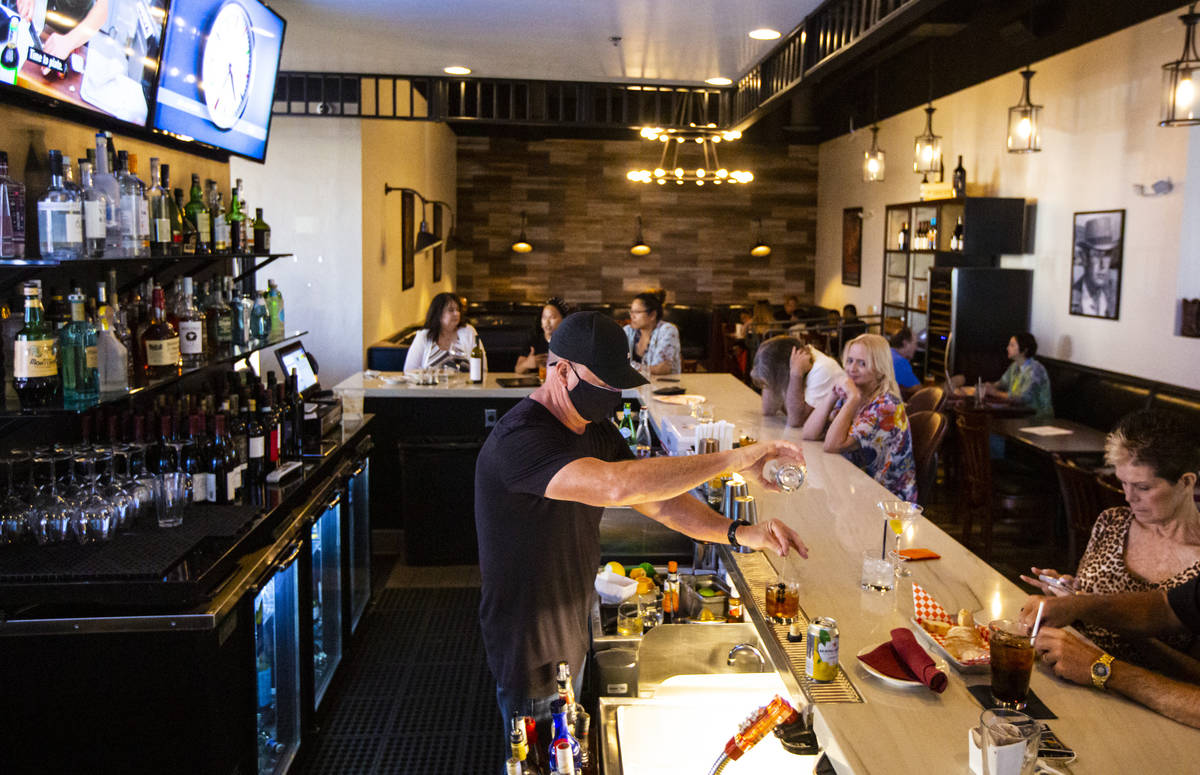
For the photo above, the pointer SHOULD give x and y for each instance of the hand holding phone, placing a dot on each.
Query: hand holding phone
(1060, 586)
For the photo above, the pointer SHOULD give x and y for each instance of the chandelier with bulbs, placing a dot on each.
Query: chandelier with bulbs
(671, 169)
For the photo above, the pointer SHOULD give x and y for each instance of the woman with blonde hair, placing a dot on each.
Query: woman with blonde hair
(867, 421)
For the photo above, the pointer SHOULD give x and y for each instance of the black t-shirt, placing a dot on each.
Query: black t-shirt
(537, 556)
(1185, 601)
(537, 340)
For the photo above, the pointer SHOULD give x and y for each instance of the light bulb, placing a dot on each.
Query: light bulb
(679, 172)
(699, 182)
(926, 154)
(679, 139)
(722, 173)
(873, 166)
(700, 141)
(699, 172)
(1185, 93)
(659, 172)
(1024, 128)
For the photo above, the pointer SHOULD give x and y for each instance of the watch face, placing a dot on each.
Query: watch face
(1100, 670)
(227, 65)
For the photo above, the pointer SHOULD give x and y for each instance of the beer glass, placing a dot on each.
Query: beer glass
(1012, 662)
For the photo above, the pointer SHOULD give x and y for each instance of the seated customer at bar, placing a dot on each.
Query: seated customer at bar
(553, 312)
(653, 342)
(445, 339)
(1025, 381)
(1146, 614)
(1154, 542)
(867, 421)
(794, 377)
(904, 347)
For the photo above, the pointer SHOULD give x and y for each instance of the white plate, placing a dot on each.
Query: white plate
(683, 399)
(899, 683)
(931, 642)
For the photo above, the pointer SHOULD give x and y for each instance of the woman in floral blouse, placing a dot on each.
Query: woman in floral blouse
(1025, 381)
(868, 423)
(653, 342)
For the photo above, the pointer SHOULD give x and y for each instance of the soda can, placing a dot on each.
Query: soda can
(822, 650)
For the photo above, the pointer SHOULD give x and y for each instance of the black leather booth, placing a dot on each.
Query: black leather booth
(1099, 399)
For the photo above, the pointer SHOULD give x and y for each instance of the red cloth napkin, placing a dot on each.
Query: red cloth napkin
(903, 658)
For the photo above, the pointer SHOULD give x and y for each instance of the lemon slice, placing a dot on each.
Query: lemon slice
(615, 567)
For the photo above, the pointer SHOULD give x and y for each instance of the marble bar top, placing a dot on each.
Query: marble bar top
(394, 384)
(914, 730)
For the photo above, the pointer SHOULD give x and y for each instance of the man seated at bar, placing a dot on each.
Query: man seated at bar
(904, 347)
(553, 312)
(445, 339)
(794, 377)
(867, 420)
(544, 476)
(653, 342)
(1151, 544)
(1147, 614)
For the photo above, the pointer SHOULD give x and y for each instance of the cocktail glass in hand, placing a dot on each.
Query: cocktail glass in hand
(629, 619)
(1012, 654)
(900, 516)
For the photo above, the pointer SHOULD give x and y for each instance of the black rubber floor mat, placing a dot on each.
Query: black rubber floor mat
(415, 696)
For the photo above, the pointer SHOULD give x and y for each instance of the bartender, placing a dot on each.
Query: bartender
(544, 476)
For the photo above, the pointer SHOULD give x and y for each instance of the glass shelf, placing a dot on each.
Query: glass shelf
(28, 262)
(13, 409)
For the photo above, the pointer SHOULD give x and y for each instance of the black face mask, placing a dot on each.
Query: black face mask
(594, 404)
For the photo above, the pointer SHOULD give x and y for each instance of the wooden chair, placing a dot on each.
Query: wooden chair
(983, 491)
(927, 399)
(928, 432)
(1084, 496)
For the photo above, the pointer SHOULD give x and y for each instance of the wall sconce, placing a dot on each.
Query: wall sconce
(521, 245)
(639, 248)
(426, 239)
(760, 249)
(1181, 94)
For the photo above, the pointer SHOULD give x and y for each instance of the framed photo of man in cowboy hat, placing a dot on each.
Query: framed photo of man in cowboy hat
(1096, 266)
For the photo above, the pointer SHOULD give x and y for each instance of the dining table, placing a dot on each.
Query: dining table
(1056, 436)
(890, 728)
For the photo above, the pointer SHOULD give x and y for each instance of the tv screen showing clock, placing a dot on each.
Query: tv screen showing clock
(217, 78)
(101, 55)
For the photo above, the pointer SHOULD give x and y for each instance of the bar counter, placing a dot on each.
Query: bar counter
(911, 730)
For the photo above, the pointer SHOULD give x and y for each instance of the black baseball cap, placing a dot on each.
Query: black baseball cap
(593, 339)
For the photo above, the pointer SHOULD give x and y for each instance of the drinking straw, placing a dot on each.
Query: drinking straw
(883, 554)
(1037, 622)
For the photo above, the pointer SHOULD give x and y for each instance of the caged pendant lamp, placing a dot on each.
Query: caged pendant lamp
(874, 160)
(1024, 121)
(521, 245)
(1181, 93)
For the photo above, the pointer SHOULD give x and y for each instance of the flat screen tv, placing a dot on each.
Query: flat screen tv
(101, 55)
(217, 78)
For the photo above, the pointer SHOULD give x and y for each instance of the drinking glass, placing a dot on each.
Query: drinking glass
(783, 600)
(629, 619)
(878, 575)
(13, 508)
(95, 518)
(1008, 742)
(170, 495)
(50, 517)
(899, 516)
(140, 483)
(114, 488)
(1012, 654)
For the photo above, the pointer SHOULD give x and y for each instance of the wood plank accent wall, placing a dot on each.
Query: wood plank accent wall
(582, 215)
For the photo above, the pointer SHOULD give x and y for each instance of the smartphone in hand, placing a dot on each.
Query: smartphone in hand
(1057, 583)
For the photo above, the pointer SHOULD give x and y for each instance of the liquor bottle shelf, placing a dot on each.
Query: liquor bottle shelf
(31, 262)
(12, 409)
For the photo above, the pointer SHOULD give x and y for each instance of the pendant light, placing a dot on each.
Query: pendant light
(1024, 121)
(1181, 93)
(425, 238)
(522, 244)
(639, 248)
(760, 249)
(927, 147)
(874, 161)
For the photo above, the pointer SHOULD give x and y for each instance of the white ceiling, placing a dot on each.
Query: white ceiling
(678, 41)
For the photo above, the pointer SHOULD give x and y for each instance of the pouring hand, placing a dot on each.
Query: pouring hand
(774, 535)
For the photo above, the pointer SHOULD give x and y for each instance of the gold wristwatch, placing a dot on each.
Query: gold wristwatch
(1101, 670)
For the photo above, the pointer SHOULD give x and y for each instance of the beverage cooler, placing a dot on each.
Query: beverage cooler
(325, 540)
(277, 663)
(357, 530)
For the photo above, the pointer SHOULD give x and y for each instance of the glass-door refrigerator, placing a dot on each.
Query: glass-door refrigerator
(326, 543)
(277, 661)
(358, 539)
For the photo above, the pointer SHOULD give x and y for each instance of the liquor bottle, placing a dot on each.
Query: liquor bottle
(111, 352)
(237, 222)
(77, 351)
(94, 207)
(238, 316)
(219, 482)
(959, 182)
(237, 428)
(477, 361)
(733, 612)
(10, 56)
(105, 179)
(129, 207)
(932, 235)
(60, 217)
(670, 601)
(12, 212)
(628, 430)
(188, 232)
(256, 455)
(35, 361)
(561, 732)
(143, 209)
(956, 240)
(160, 212)
(218, 323)
(260, 320)
(262, 234)
(160, 342)
(293, 422)
(196, 211)
(902, 237)
(36, 177)
(174, 212)
(191, 328)
(216, 213)
(577, 718)
(643, 442)
(275, 310)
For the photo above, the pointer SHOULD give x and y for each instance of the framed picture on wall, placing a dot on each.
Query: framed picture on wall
(852, 246)
(437, 252)
(408, 259)
(1097, 247)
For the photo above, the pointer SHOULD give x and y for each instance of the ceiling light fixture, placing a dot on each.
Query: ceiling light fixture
(1181, 93)
(765, 33)
(874, 160)
(522, 244)
(1024, 121)
(706, 135)
(927, 147)
(456, 70)
(639, 248)
(760, 248)
(718, 80)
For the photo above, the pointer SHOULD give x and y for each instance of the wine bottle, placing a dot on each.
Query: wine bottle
(956, 240)
(197, 214)
(902, 237)
(218, 484)
(959, 182)
(476, 361)
(262, 234)
(35, 361)
(628, 431)
(256, 455)
(237, 222)
(160, 212)
(12, 212)
(193, 458)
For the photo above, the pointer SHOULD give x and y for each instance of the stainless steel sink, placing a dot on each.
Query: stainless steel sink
(691, 649)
